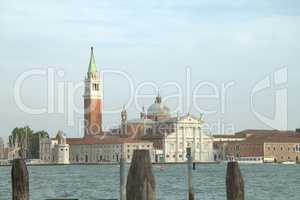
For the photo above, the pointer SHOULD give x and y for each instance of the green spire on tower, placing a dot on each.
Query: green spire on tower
(92, 65)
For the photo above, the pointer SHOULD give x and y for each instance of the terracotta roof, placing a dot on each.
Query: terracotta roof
(228, 136)
(272, 136)
(153, 136)
(264, 131)
(103, 140)
(260, 136)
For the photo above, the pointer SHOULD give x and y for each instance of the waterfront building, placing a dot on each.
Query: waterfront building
(96, 146)
(108, 149)
(170, 135)
(165, 136)
(62, 150)
(263, 146)
(3, 150)
(220, 143)
(55, 150)
(174, 135)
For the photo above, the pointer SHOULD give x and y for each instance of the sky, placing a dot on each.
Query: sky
(234, 62)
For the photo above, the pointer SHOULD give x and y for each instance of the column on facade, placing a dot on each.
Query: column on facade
(201, 143)
(164, 148)
(194, 143)
(177, 142)
(183, 142)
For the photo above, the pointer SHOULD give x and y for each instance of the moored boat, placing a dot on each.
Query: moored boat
(289, 162)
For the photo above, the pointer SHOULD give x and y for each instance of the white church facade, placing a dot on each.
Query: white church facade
(186, 133)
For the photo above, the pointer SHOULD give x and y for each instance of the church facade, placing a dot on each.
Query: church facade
(170, 135)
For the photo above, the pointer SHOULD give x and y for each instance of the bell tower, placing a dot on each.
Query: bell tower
(123, 132)
(92, 100)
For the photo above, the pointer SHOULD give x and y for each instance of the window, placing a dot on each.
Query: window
(95, 87)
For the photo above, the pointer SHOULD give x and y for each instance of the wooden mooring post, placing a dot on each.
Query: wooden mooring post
(140, 179)
(191, 195)
(19, 180)
(122, 179)
(234, 182)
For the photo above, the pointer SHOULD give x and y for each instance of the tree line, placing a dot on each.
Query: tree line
(27, 141)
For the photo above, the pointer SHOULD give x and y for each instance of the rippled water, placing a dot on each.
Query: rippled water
(262, 182)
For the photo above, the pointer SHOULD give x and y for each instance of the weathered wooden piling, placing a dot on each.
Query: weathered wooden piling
(234, 182)
(191, 195)
(122, 179)
(19, 180)
(140, 179)
(194, 166)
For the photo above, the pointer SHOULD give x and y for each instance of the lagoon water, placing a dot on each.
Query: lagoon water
(91, 182)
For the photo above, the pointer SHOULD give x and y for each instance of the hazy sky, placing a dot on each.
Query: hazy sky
(231, 43)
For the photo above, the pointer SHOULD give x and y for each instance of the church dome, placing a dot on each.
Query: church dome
(158, 110)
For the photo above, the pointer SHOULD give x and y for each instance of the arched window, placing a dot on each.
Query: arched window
(86, 158)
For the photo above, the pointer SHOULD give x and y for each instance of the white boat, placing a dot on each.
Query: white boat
(289, 162)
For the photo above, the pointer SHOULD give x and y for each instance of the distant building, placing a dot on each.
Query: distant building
(170, 135)
(3, 150)
(55, 150)
(165, 136)
(261, 146)
(62, 150)
(109, 149)
(220, 143)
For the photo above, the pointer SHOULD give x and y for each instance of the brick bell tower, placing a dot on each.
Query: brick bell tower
(92, 100)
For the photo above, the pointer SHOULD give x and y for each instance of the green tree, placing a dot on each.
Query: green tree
(27, 141)
(35, 143)
(19, 138)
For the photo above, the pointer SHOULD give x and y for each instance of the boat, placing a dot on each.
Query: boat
(289, 162)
